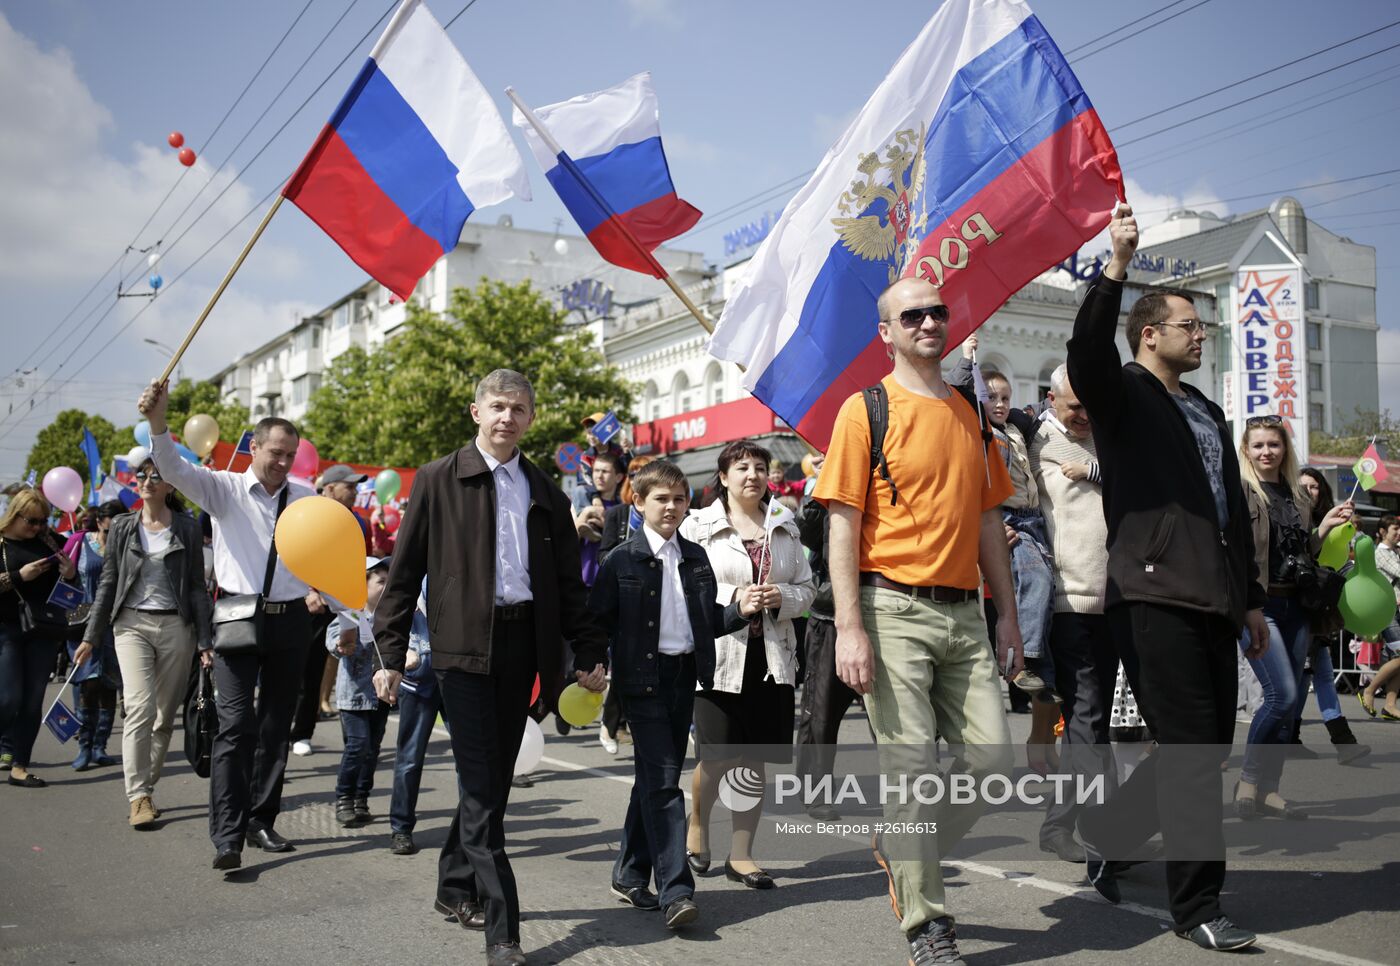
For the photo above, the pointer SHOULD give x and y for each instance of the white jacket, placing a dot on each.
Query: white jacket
(733, 569)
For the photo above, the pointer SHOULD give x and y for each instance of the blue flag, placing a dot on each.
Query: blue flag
(33, 475)
(89, 448)
(62, 721)
(606, 428)
(65, 596)
(245, 444)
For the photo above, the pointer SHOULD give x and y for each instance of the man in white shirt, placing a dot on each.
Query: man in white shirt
(250, 748)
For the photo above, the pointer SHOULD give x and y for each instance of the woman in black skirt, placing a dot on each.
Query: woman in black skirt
(746, 719)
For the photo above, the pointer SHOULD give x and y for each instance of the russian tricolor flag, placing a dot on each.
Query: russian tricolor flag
(611, 172)
(977, 164)
(414, 148)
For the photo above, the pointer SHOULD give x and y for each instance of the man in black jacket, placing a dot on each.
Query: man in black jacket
(493, 535)
(1181, 584)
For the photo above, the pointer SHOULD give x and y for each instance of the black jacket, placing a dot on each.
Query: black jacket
(1164, 542)
(616, 529)
(627, 600)
(814, 530)
(448, 533)
(121, 565)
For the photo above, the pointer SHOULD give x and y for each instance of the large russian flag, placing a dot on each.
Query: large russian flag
(414, 148)
(611, 171)
(977, 164)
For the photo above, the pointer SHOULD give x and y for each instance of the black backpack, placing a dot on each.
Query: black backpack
(877, 410)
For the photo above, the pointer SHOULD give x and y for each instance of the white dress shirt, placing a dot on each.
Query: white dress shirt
(244, 515)
(676, 637)
(512, 542)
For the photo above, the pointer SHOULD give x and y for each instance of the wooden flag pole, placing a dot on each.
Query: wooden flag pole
(602, 203)
(214, 299)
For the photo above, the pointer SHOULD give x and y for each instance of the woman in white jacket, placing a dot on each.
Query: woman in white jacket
(752, 542)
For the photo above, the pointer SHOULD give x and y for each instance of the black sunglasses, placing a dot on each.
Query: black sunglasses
(153, 476)
(35, 521)
(913, 318)
(1253, 421)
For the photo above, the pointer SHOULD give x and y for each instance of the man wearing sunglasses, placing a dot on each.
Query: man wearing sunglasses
(1181, 585)
(905, 549)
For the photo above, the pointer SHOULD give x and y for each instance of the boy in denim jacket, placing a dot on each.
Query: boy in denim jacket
(362, 715)
(656, 596)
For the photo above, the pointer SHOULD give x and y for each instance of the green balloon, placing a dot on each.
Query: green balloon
(1335, 545)
(386, 486)
(1367, 602)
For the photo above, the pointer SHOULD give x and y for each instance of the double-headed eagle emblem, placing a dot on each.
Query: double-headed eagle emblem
(896, 231)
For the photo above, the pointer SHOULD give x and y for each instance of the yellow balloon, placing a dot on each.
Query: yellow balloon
(320, 542)
(201, 433)
(578, 705)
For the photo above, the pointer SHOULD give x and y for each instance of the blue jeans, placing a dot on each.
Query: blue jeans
(417, 714)
(364, 733)
(653, 835)
(1280, 674)
(1324, 685)
(26, 661)
(1034, 576)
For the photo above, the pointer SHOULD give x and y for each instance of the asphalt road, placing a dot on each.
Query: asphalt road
(78, 886)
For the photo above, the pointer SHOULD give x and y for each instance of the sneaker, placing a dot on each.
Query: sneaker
(301, 748)
(1220, 934)
(935, 942)
(1029, 682)
(143, 813)
(638, 897)
(608, 742)
(401, 843)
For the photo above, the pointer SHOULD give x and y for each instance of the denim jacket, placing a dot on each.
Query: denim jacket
(626, 600)
(420, 680)
(354, 681)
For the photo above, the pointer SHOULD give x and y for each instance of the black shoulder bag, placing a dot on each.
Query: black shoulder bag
(201, 721)
(238, 618)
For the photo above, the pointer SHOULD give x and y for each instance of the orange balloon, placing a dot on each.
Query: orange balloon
(320, 542)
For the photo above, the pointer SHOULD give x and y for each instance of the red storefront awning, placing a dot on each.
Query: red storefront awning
(705, 427)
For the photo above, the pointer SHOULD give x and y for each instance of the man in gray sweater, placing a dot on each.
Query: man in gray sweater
(1064, 463)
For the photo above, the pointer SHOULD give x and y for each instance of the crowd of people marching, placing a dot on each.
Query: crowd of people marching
(947, 548)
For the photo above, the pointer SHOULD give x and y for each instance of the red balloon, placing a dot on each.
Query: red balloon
(391, 519)
(535, 692)
(187, 157)
(176, 139)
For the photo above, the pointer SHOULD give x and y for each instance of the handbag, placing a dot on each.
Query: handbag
(238, 618)
(44, 620)
(201, 721)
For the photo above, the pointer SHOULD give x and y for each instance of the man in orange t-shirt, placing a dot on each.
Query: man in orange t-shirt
(910, 633)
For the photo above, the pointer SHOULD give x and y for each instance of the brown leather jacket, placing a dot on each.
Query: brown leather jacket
(1259, 523)
(448, 533)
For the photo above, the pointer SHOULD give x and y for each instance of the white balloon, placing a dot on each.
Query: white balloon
(531, 748)
(152, 258)
(137, 456)
(561, 246)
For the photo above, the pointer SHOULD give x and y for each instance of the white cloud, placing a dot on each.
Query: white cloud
(665, 13)
(70, 205)
(684, 148)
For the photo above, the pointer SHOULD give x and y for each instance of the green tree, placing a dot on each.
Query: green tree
(1354, 436)
(188, 398)
(57, 443)
(408, 402)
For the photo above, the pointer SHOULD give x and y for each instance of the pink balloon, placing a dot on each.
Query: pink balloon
(64, 488)
(307, 461)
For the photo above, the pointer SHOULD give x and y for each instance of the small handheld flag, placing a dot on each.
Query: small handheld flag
(1370, 470)
(65, 596)
(607, 427)
(245, 444)
(62, 721)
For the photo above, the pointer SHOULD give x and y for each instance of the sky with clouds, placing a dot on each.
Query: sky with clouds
(751, 95)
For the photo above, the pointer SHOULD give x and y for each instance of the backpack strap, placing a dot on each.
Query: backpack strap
(877, 410)
(971, 397)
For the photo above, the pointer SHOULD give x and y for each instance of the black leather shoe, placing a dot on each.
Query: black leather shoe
(466, 913)
(504, 954)
(227, 860)
(682, 912)
(754, 880)
(345, 812)
(268, 840)
(1220, 933)
(361, 807)
(699, 862)
(1062, 844)
(1099, 870)
(638, 897)
(401, 843)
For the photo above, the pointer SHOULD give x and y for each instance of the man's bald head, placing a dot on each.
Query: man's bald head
(910, 290)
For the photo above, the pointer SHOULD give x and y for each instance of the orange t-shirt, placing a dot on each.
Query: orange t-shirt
(935, 455)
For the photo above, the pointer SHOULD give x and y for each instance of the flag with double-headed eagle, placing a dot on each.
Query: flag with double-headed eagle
(977, 164)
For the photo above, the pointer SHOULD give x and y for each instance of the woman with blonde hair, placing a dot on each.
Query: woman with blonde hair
(1285, 542)
(31, 561)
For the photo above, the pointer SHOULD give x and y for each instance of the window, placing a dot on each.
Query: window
(1224, 301)
(714, 385)
(341, 317)
(315, 337)
(1316, 418)
(1312, 296)
(1314, 375)
(1315, 336)
(680, 394)
(1043, 386)
(303, 387)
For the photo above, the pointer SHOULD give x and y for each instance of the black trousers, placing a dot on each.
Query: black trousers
(825, 701)
(1185, 686)
(256, 694)
(309, 698)
(485, 714)
(1086, 668)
